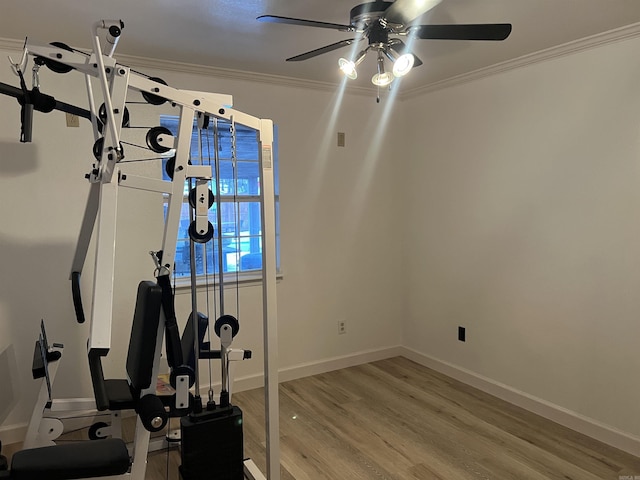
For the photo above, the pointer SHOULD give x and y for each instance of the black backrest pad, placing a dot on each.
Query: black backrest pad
(144, 332)
(71, 460)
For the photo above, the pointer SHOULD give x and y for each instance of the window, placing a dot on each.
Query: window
(237, 247)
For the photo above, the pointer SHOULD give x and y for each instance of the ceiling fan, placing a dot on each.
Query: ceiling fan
(377, 21)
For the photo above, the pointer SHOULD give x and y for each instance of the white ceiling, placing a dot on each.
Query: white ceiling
(225, 33)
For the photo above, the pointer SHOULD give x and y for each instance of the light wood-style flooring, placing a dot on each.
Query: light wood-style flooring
(397, 420)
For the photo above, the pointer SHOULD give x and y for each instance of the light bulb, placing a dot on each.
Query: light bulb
(348, 68)
(382, 79)
(403, 64)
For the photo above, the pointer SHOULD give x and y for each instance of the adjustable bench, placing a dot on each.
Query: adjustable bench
(107, 457)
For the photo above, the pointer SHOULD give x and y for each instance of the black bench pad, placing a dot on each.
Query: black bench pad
(119, 395)
(97, 458)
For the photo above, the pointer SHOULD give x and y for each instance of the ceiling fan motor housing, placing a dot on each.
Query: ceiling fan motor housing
(363, 14)
(378, 35)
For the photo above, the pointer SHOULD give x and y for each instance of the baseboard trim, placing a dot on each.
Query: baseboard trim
(13, 433)
(308, 369)
(575, 421)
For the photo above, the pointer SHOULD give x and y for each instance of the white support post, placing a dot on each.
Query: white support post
(92, 107)
(115, 92)
(102, 307)
(172, 222)
(111, 128)
(112, 153)
(270, 317)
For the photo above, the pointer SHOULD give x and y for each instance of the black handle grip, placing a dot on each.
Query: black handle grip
(77, 296)
(97, 379)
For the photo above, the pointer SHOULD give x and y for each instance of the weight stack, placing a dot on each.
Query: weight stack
(212, 445)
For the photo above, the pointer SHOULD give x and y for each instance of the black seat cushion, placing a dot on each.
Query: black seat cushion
(119, 395)
(98, 458)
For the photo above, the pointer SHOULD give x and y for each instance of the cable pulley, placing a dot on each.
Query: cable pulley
(170, 166)
(152, 98)
(98, 146)
(229, 320)
(182, 370)
(193, 198)
(200, 236)
(94, 431)
(102, 116)
(154, 139)
(53, 65)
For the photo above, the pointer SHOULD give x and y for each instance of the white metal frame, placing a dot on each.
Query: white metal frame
(102, 206)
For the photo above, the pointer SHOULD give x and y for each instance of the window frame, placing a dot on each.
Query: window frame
(211, 276)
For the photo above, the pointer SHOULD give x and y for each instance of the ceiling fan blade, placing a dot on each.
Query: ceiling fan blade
(304, 23)
(489, 31)
(321, 50)
(405, 11)
(400, 48)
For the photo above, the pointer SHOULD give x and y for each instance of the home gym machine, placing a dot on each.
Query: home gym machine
(207, 432)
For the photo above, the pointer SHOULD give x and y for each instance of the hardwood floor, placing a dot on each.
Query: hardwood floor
(397, 420)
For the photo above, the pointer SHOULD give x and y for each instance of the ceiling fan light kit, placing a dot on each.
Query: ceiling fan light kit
(348, 68)
(382, 78)
(379, 19)
(403, 64)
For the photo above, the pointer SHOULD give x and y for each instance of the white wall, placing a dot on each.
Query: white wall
(523, 225)
(336, 235)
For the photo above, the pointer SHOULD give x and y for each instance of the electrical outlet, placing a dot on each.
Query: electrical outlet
(342, 327)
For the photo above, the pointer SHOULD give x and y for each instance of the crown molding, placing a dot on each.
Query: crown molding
(10, 44)
(612, 36)
(601, 39)
(238, 75)
(190, 68)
